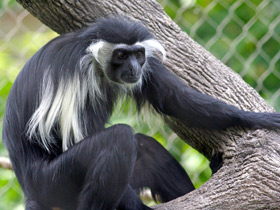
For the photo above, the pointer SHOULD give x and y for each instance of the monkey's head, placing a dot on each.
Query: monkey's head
(123, 49)
(126, 64)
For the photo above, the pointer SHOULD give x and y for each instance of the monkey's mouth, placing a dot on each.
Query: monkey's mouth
(131, 78)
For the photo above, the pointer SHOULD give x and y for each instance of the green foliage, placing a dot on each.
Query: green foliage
(10, 3)
(240, 33)
(10, 193)
(11, 61)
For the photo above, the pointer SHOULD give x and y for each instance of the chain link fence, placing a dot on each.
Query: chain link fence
(244, 34)
(20, 37)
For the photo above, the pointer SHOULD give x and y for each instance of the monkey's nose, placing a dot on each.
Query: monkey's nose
(132, 72)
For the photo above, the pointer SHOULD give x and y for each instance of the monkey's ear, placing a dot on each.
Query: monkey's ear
(94, 49)
(152, 47)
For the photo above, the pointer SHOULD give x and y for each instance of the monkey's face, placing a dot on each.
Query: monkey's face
(126, 64)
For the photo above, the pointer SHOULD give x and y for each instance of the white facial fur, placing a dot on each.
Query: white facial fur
(102, 50)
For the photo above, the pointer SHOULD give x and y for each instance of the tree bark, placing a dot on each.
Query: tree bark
(249, 178)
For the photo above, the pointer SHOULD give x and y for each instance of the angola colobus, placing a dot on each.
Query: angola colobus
(57, 108)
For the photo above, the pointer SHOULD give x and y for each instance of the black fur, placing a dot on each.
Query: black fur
(117, 30)
(101, 171)
(170, 96)
(149, 173)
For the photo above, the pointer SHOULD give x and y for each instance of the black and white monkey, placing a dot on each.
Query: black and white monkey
(62, 154)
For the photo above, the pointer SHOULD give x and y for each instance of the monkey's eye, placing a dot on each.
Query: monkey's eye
(139, 54)
(121, 55)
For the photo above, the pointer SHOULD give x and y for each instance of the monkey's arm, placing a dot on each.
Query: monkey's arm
(168, 95)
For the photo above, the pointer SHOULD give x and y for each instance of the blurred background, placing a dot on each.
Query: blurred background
(243, 34)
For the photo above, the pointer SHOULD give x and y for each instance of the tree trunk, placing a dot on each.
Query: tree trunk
(249, 178)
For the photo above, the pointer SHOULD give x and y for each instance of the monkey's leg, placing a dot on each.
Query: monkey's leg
(33, 205)
(93, 174)
(156, 169)
(130, 201)
(107, 180)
